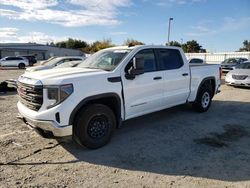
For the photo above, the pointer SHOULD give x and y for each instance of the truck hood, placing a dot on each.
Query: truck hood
(240, 72)
(228, 64)
(60, 73)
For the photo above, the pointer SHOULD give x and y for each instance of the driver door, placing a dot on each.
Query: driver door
(144, 93)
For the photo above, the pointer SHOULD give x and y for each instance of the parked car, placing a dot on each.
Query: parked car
(196, 61)
(55, 62)
(230, 63)
(31, 58)
(9, 61)
(113, 85)
(69, 64)
(240, 76)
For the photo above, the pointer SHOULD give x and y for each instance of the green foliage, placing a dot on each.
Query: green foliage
(189, 47)
(132, 42)
(98, 45)
(174, 43)
(72, 43)
(84, 46)
(246, 46)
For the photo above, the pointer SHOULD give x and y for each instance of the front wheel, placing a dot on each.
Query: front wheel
(203, 99)
(21, 66)
(94, 126)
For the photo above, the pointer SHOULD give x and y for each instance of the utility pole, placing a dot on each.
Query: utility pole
(169, 24)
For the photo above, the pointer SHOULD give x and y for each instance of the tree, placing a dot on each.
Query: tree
(98, 45)
(192, 47)
(246, 46)
(72, 43)
(61, 44)
(52, 44)
(132, 42)
(174, 43)
(188, 47)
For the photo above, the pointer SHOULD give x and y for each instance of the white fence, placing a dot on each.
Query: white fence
(216, 58)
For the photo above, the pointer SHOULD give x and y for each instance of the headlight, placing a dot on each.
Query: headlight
(57, 94)
(228, 77)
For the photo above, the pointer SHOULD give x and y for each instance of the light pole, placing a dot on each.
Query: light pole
(169, 23)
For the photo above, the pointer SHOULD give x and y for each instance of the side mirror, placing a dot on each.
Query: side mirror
(136, 69)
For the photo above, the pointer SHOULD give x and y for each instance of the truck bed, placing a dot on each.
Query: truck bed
(200, 71)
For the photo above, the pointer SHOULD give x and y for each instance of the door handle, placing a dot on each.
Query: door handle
(157, 78)
(185, 74)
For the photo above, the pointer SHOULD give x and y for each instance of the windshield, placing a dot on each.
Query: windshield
(50, 58)
(243, 66)
(105, 60)
(229, 61)
(53, 61)
(68, 64)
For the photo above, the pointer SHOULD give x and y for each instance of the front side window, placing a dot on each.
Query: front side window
(148, 57)
(170, 59)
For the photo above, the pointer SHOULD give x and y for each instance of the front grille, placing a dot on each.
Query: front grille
(227, 68)
(239, 77)
(30, 95)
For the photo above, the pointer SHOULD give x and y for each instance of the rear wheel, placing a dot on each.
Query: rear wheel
(203, 99)
(21, 66)
(94, 126)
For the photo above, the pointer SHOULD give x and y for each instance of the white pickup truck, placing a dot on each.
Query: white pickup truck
(113, 85)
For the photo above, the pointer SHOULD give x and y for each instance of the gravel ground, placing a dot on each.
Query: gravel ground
(176, 147)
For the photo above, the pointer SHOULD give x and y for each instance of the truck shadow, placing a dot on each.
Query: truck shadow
(178, 141)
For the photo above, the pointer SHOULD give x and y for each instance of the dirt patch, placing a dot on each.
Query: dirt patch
(6, 142)
(156, 150)
(232, 133)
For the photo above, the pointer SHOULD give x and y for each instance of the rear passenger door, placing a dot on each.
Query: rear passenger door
(176, 76)
(144, 93)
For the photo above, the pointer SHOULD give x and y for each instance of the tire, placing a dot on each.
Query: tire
(94, 126)
(203, 99)
(21, 66)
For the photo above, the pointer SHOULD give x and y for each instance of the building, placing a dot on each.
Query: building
(39, 50)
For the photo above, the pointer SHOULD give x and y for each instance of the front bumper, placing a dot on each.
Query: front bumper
(233, 82)
(47, 126)
(45, 121)
(238, 84)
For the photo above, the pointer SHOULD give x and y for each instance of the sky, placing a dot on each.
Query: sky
(217, 25)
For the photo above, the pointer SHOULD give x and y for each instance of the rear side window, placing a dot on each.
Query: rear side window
(170, 59)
